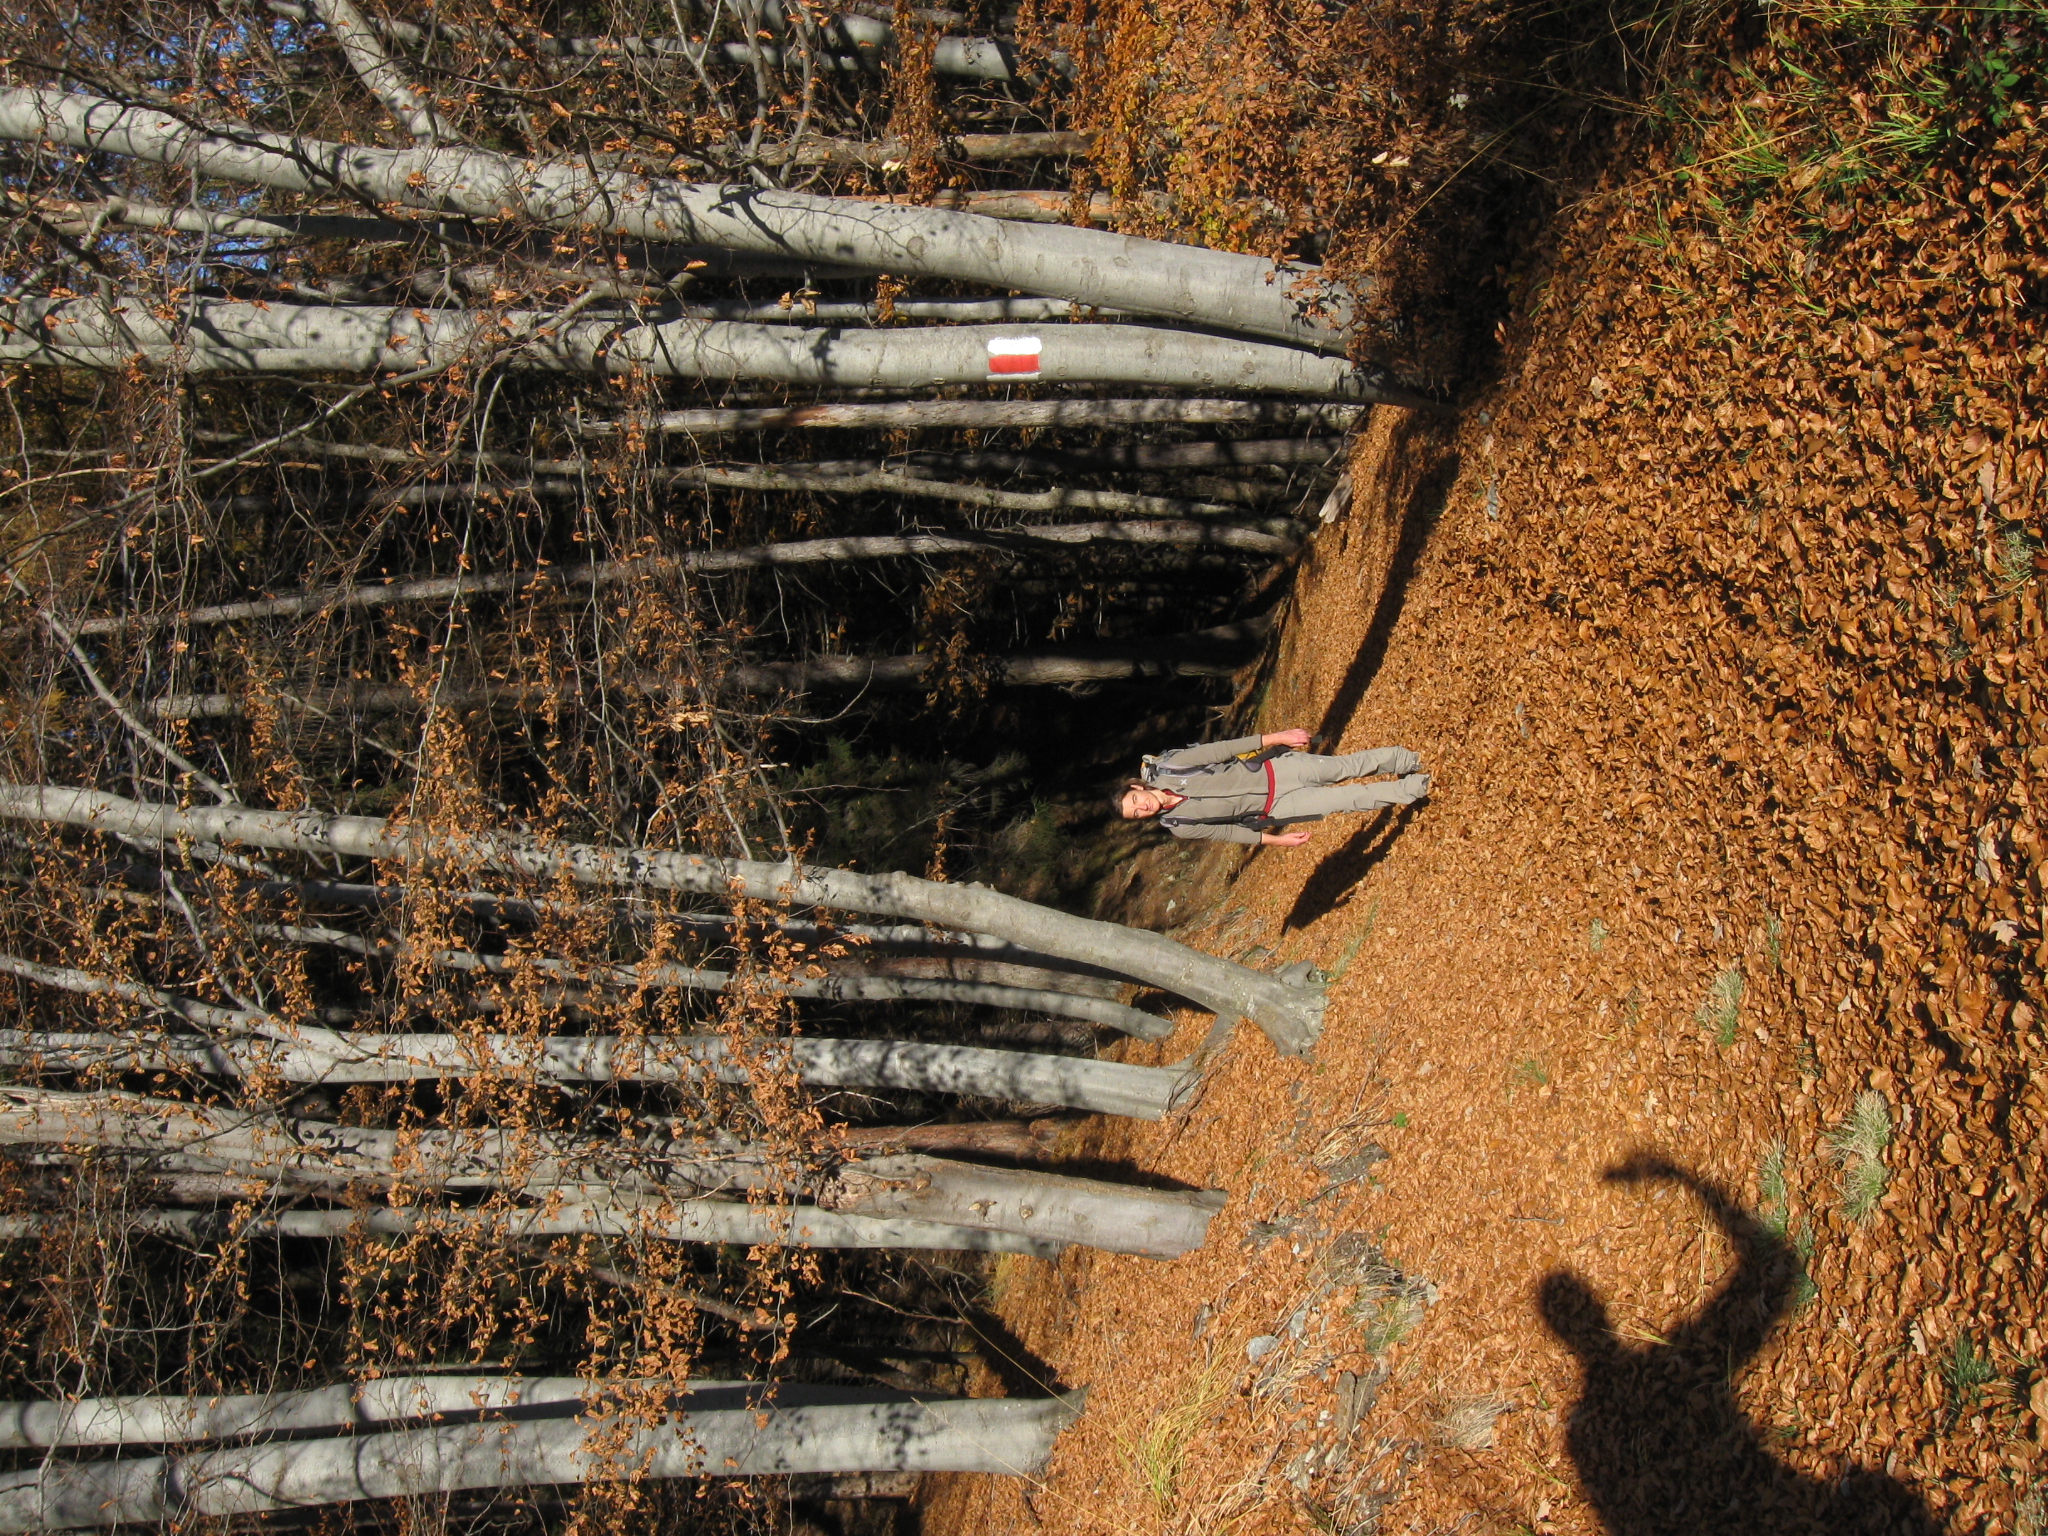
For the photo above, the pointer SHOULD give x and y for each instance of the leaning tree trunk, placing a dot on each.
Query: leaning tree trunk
(1207, 653)
(1247, 294)
(749, 1430)
(851, 41)
(386, 1400)
(1069, 1082)
(226, 336)
(1289, 1011)
(905, 1201)
(726, 1223)
(172, 1136)
(818, 479)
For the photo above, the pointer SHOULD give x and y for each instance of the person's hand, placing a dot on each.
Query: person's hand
(1296, 738)
(1290, 839)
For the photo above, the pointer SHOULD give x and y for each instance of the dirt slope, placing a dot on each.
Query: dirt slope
(1698, 1016)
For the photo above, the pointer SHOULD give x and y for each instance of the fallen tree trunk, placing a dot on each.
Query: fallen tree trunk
(749, 1430)
(1246, 294)
(992, 415)
(228, 336)
(1071, 1082)
(1289, 1011)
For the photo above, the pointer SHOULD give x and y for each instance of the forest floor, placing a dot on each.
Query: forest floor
(1672, 1157)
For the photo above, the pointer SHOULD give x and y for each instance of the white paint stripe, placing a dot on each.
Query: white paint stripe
(1014, 346)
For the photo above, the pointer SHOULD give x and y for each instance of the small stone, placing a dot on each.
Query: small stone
(1262, 1346)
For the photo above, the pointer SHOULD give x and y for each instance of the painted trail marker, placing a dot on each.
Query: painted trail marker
(1014, 355)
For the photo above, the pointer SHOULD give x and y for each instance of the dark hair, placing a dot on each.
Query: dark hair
(1116, 796)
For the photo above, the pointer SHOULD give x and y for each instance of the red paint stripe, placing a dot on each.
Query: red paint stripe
(1011, 362)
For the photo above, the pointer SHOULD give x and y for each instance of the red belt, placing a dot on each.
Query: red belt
(1272, 789)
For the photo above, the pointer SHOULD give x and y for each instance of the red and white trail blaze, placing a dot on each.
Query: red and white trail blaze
(1014, 355)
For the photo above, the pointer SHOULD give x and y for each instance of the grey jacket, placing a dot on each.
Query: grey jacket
(1225, 797)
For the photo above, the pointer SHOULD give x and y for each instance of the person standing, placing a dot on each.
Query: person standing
(1259, 789)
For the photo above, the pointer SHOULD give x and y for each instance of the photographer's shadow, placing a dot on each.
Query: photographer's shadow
(1662, 1446)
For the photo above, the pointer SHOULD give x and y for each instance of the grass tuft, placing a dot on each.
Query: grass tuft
(1468, 1425)
(1160, 1454)
(1775, 1212)
(1967, 1371)
(1867, 1131)
(1596, 936)
(1723, 1007)
(1770, 1180)
(1859, 1144)
(1385, 1321)
(2016, 550)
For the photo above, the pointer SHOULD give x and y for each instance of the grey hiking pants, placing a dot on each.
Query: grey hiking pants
(1310, 788)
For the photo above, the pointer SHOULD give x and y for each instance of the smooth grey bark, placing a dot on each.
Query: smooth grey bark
(902, 949)
(386, 1400)
(1031, 207)
(966, 146)
(229, 336)
(1117, 1218)
(648, 267)
(1071, 1082)
(1270, 537)
(868, 312)
(676, 1221)
(852, 42)
(1220, 454)
(174, 1137)
(866, 480)
(1216, 652)
(378, 71)
(80, 219)
(76, 218)
(991, 415)
(747, 1430)
(839, 987)
(213, 1019)
(843, 987)
(1207, 653)
(1289, 1011)
(196, 1138)
(1248, 453)
(1246, 294)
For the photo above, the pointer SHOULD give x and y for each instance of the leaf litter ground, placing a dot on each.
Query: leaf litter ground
(1673, 1157)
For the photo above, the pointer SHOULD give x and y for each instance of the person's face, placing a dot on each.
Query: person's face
(1140, 803)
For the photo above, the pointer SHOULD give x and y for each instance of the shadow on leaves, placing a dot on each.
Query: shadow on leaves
(1340, 871)
(1661, 1444)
